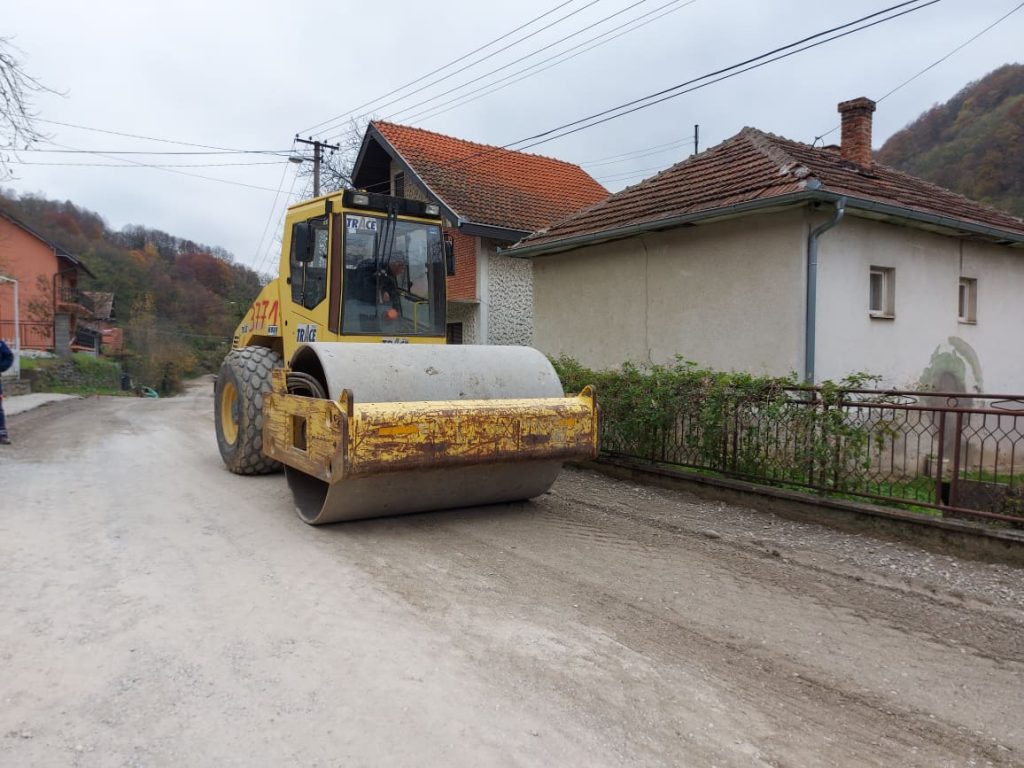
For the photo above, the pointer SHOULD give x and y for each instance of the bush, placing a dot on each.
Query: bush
(80, 374)
(762, 427)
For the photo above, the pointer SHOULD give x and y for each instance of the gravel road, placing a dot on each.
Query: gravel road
(156, 610)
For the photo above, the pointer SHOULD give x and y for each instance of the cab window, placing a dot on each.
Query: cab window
(309, 262)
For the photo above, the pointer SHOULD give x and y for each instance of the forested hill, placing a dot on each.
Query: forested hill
(178, 301)
(972, 144)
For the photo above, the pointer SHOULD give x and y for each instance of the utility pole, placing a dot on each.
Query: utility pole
(318, 152)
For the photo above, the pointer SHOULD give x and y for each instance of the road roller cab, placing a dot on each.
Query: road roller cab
(339, 373)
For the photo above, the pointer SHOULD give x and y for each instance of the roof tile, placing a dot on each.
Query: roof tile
(492, 185)
(753, 165)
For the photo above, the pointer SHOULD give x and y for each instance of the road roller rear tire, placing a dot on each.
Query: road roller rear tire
(238, 409)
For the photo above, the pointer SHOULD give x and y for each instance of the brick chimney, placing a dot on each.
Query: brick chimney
(856, 141)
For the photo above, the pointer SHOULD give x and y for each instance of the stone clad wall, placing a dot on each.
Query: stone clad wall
(465, 314)
(509, 299)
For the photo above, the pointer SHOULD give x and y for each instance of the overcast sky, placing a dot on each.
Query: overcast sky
(250, 75)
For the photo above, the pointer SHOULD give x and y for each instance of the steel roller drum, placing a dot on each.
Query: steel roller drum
(406, 373)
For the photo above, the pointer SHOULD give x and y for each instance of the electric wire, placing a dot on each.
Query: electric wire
(636, 154)
(439, 69)
(184, 173)
(931, 66)
(842, 30)
(658, 97)
(345, 115)
(508, 80)
(280, 222)
(629, 174)
(270, 216)
(137, 165)
(515, 61)
(279, 152)
(151, 138)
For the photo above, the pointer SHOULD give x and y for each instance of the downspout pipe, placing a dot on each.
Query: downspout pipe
(810, 320)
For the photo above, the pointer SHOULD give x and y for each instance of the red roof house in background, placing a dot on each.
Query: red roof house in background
(490, 197)
(48, 297)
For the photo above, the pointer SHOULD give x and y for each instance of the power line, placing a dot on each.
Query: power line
(137, 165)
(790, 49)
(721, 74)
(273, 207)
(344, 115)
(934, 64)
(629, 174)
(184, 173)
(279, 152)
(521, 58)
(508, 80)
(646, 151)
(280, 221)
(731, 71)
(147, 138)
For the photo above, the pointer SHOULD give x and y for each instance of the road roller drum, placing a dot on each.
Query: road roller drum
(366, 431)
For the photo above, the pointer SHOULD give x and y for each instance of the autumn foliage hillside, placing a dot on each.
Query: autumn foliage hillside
(178, 301)
(972, 144)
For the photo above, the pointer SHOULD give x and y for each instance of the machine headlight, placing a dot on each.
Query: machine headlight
(431, 209)
(358, 199)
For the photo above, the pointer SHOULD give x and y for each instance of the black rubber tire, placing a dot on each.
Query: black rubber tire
(247, 370)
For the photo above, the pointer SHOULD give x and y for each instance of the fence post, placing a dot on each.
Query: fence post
(940, 457)
(955, 474)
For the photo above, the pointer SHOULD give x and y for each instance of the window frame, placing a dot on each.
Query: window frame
(312, 274)
(886, 309)
(967, 300)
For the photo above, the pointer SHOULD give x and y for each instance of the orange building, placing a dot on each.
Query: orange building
(49, 303)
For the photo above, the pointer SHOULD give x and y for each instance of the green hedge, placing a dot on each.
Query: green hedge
(762, 427)
(80, 375)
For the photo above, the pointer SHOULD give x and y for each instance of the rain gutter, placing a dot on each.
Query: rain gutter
(811, 307)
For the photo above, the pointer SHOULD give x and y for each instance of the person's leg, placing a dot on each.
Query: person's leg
(4, 438)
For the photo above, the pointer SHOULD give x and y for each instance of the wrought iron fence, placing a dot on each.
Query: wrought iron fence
(950, 453)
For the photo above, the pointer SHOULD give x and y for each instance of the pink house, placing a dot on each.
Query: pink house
(49, 303)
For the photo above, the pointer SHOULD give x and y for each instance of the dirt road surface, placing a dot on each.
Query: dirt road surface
(156, 610)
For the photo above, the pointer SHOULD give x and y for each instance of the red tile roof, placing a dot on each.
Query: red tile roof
(756, 166)
(491, 185)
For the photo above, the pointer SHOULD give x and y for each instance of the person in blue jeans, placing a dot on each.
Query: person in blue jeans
(6, 361)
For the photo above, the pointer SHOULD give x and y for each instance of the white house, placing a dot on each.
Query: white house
(771, 256)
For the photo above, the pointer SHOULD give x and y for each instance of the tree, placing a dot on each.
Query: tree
(17, 126)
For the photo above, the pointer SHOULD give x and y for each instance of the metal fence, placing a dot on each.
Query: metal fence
(950, 453)
(31, 335)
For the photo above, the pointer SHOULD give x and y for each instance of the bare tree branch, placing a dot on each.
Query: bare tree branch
(17, 126)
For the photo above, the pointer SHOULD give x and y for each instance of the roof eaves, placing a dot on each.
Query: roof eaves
(888, 210)
(670, 222)
(493, 231)
(1001, 236)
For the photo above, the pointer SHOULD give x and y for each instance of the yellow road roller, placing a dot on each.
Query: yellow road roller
(339, 372)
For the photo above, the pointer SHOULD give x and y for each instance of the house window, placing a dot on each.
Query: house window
(967, 300)
(882, 292)
(399, 184)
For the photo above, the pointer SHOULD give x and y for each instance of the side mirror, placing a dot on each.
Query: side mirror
(449, 255)
(302, 242)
